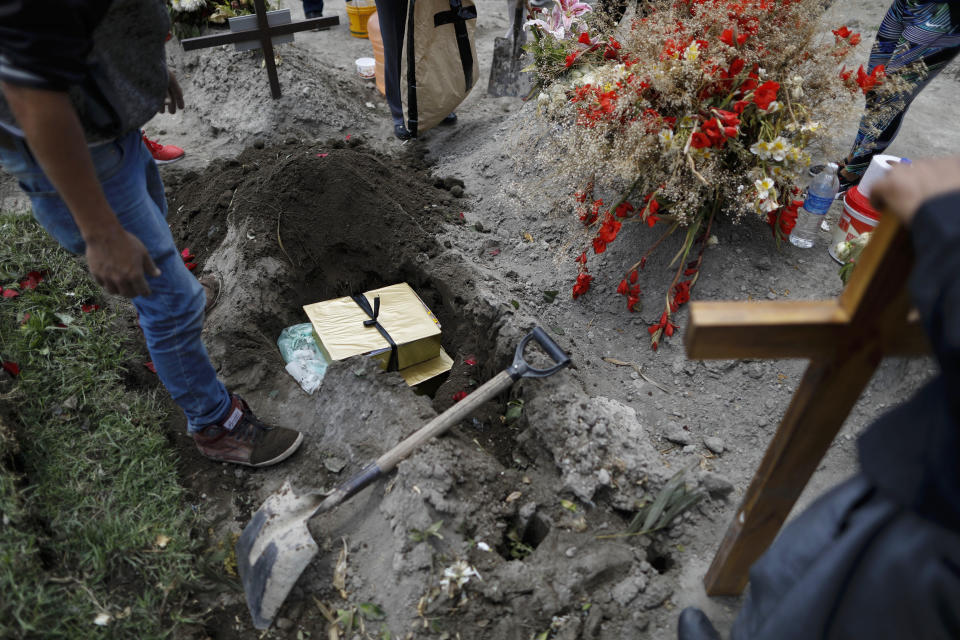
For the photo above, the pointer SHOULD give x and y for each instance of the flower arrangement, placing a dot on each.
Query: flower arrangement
(188, 17)
(695, 108)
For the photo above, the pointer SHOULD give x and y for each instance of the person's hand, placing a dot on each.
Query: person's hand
(907, 186)
(174, 99)
(119, 263)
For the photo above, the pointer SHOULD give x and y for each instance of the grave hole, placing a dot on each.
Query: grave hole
(521, 538)
(300, 229)
(660, 560)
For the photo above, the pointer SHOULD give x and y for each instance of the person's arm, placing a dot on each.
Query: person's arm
(117, 259)
(926, 196)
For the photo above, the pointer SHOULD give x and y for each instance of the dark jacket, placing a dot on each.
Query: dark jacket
(913, 452)
(878, 558)
(109, 56)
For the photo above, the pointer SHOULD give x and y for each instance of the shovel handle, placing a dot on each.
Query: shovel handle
(455, 414)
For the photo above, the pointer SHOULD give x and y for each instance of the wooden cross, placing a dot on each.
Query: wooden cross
(263, 32)
(845, 340)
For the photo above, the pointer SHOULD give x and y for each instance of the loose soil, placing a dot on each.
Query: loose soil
(310, 197)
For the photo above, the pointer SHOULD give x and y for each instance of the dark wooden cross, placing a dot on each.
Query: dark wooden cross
(262, 33)
(845, 340)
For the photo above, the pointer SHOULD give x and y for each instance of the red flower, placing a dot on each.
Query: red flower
(739, 106)
(765, 94)
(571, 59)
(190, 265)
(87, 308)
(727, 37)
(33, 279)
(599, 246)
(842, 32)
(652, 220)
(845, 73)
(728, 118)
(582, 258)
(633, 276)
(623, 288)
(624, 209)
(186, 255)
(582, 285)
(735, 67)
(611, 227)
(700, 140)
(459, 395)
(866, 81)
(584, 39)
(854, 39)
(632, 301)
(11, 367)
(10, 293)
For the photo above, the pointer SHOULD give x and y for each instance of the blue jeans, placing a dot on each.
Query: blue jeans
(172, 315)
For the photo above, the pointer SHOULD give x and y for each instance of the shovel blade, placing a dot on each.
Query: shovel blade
(274, 549)
(506, 75)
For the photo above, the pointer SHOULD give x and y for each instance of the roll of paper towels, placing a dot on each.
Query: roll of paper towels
(879, 166)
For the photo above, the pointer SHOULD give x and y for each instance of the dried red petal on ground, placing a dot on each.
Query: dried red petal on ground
(495, 252)
(150, 367)
(11, 367)
(186, 254)
(87, 308)
(322, 155)
(10, 293)
(190, 265)
(470, 360)
(459, 395)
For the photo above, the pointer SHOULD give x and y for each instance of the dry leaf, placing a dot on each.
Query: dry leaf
(340, 572)
(162, 541)
(514, 496)
(527, 237)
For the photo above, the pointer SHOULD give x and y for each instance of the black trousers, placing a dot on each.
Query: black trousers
(392, 15)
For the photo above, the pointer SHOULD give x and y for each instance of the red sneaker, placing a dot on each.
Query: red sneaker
(163, 153)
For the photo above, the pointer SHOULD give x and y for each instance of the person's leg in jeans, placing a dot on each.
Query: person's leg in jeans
(172, 316)
(910, 32)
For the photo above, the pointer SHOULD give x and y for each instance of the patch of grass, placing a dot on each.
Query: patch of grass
(89, 492)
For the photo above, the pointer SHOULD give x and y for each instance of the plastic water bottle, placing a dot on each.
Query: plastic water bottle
(820, 196)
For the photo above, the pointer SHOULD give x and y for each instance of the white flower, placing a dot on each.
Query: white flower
(666, 137)
(812, 127)
(102, 619)
(761, 149)
(692, 52)
(740, 188)
(773, 107)
(769, 205)
(778, 148)
(185, 6)
(483, 546)
(457, 575)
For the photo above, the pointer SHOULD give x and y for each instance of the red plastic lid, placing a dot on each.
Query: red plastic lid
(859, 203)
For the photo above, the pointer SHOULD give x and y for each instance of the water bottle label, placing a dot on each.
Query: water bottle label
(817, 205)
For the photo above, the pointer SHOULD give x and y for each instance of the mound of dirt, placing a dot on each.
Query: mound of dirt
(296, 223)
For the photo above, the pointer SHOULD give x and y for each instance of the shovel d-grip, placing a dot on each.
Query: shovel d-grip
(276, 546)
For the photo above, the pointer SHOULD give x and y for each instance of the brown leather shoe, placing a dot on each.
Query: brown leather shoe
(241, 438)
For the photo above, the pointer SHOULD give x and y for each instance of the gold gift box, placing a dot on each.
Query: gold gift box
(339, 329)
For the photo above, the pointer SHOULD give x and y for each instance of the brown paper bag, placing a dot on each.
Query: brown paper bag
(439, 60)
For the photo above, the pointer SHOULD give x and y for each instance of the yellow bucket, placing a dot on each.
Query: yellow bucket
(358, 12)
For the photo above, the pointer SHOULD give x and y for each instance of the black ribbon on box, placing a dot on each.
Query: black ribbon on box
(363, 303)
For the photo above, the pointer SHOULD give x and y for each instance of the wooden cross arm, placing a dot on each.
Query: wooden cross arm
(785, 329)
(201, 42)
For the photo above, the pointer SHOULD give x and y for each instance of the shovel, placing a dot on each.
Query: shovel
(505, 70)
(276, 546)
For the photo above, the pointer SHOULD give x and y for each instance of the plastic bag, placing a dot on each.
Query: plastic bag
(304, 360)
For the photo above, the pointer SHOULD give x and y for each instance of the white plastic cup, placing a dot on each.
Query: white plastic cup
(366, 67)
